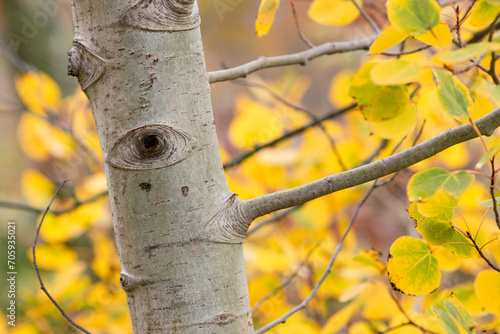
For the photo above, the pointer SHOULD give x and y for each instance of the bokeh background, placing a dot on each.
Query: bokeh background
(79, 261)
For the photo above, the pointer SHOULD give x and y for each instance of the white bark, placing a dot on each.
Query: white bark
(142, 67)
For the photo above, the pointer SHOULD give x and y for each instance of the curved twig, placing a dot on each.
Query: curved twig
(42, 286)
(287, 135)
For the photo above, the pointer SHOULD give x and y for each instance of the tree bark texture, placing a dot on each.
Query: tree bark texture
(178, 228)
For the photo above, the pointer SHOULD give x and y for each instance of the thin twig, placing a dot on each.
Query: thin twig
(492, 192)
(402, 53)
(405, 314)
(286, 282)
(367, 18)
(297, 25)
(381, 146)
(313, 117)
(273, 219)
(287, 135)
(327, 271)
(24, 207)
(9, 53)
(42, 286)
(492, 72)
(479, 250)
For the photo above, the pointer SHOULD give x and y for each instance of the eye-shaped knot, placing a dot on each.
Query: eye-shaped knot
(151, 144)
(150, 147)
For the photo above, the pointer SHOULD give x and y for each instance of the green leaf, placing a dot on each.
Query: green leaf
(437, 230)
(462, 246)
(458, 182)
(492, 151)
(457, 310)
(387, 103)
(489, 203)
(445, 319)
(411, 267)
(414, 16)
(362, 88)
(424, 184)
(453, 95)
(471, 51)
(440, 203)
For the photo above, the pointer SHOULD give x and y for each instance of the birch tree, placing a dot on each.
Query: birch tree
(179, 229)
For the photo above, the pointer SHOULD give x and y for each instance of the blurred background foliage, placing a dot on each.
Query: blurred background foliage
(47, 135)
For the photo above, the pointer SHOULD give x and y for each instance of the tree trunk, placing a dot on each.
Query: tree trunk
(178, 229)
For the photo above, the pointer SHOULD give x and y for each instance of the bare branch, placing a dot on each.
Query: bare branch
(284, 199)
(313, 117)
(287, 135)
(296, 58)
(42, 286)
(24, 207)
(9, 53)
(367, 18)
(272, 219)
(297, 25)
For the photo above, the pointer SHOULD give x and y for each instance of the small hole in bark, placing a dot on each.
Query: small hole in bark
(145, 186)
(150, 142)
(185, 191)
(151, 145)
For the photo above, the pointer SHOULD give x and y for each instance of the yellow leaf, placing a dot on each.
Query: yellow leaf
(72, 224)
(54, 256)
(391, 36)
(265, 16)
(315, 214)
(398, 126)
(269, 260)
(377, 303)
(24, 329)
(333, 12)
(439, 36)
(395, 72)
(412, 268)
(105, 265)
(340, 319)
(38, 91)
(91, 186)
(339, 89)
(253, 124)
(438, 203)
(39, 139)
(483, 13)
(487, 286)
(36, 188)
